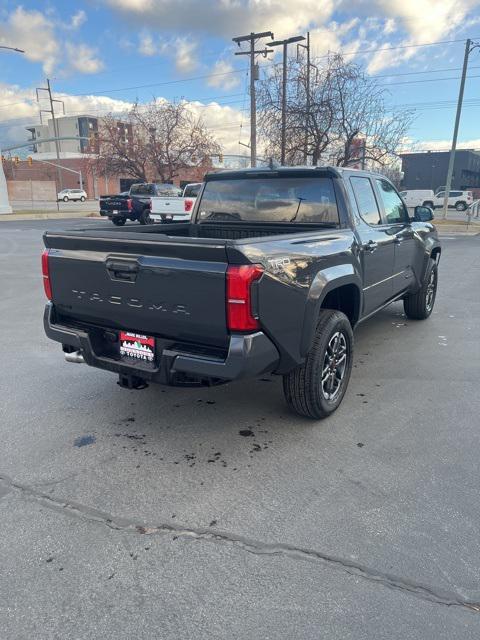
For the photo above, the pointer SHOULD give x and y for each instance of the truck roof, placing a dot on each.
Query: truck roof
(325, 171)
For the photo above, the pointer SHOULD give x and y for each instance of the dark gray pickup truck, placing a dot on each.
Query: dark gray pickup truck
(272, 274)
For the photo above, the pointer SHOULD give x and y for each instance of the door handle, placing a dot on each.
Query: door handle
(122, 270)
(370, 246)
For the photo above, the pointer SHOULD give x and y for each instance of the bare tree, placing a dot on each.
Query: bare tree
(362, 113)
(153, 142)
(346, 107)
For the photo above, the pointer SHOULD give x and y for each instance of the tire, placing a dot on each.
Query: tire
(429, 204)
(118, 222)
(145, 217)
(305, 391)
(419, 306)
(461, 206)
(65, 198)
(82, 199)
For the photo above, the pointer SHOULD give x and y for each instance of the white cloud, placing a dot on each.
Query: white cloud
(423, 20)
(222, 121)
(222, 76)
(83, 58)
(227, 17)
(33, 32)
(78, 19)
(444, 145)
(147, 46)
(329, 38)
(186, 56)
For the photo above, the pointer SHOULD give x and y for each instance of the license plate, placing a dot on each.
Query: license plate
(137, 346)
(115, 211)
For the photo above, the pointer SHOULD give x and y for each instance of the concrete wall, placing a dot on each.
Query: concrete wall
(31, 190)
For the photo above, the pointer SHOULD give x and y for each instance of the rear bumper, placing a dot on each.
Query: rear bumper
(247, 356)
(120, 213)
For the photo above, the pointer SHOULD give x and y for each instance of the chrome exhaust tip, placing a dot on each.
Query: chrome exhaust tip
(75, 356)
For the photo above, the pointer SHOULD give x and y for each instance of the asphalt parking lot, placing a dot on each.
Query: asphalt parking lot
(215, 513)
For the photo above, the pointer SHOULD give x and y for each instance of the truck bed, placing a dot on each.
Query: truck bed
(170, 280)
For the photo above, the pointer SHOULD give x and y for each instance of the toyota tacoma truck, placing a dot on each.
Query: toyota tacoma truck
(135, 204)
(271, 275)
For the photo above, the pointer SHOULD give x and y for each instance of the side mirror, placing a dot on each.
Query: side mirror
(422, 214)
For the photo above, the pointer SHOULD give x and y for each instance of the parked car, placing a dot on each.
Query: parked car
(276, 269)
(72, 194)
(418, 197)
(460, 200)
(136, 203)
(178, 209)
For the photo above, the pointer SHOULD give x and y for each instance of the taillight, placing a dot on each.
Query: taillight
(239, 296)
(129, 204)
(188, 205)
(46, 274)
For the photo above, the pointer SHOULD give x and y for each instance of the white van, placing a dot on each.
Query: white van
(460, 200)
(418, 197)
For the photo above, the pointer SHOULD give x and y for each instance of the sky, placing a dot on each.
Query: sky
(102, 55)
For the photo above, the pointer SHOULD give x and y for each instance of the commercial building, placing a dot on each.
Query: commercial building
(428, 169)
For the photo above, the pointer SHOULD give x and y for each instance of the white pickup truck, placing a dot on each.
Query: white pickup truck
(166, 209)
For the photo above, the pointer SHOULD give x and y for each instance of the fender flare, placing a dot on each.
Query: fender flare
(325, 281)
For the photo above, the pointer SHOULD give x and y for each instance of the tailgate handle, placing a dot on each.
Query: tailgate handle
(121, 270)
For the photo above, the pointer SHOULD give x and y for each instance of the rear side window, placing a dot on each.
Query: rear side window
(392, 203)
(275, 199)
(366, 202)
(456, 194)
(191, 190)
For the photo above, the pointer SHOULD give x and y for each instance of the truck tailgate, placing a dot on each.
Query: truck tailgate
(172, 206)
(113, 203)
(163, 294)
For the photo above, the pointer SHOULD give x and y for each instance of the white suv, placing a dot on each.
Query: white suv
(72, 194)
(460, 200)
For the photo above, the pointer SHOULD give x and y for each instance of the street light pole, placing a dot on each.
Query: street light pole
(2, 46)
(285, 44)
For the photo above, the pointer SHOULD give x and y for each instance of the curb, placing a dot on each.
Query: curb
(57, 215)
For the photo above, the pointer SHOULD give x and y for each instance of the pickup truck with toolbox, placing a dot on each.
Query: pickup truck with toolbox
(168, 209)
(136, 203)
(271, 275)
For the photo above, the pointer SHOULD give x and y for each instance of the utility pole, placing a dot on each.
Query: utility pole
(307, 97)
(51, 111)
(285, 44)
(469, 47)
(252, 38)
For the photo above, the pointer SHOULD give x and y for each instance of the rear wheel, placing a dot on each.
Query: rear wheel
(316, 388)
(420, 305)
(145, 217)
(82, 199)
(118, 222)
(461, 206)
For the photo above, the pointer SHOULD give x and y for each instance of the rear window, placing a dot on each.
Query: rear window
(141, 190)
(270, 200)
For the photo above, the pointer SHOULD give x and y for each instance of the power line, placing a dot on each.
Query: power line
(402, 46)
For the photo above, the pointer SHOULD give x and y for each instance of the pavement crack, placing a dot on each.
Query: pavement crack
(249, 545)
